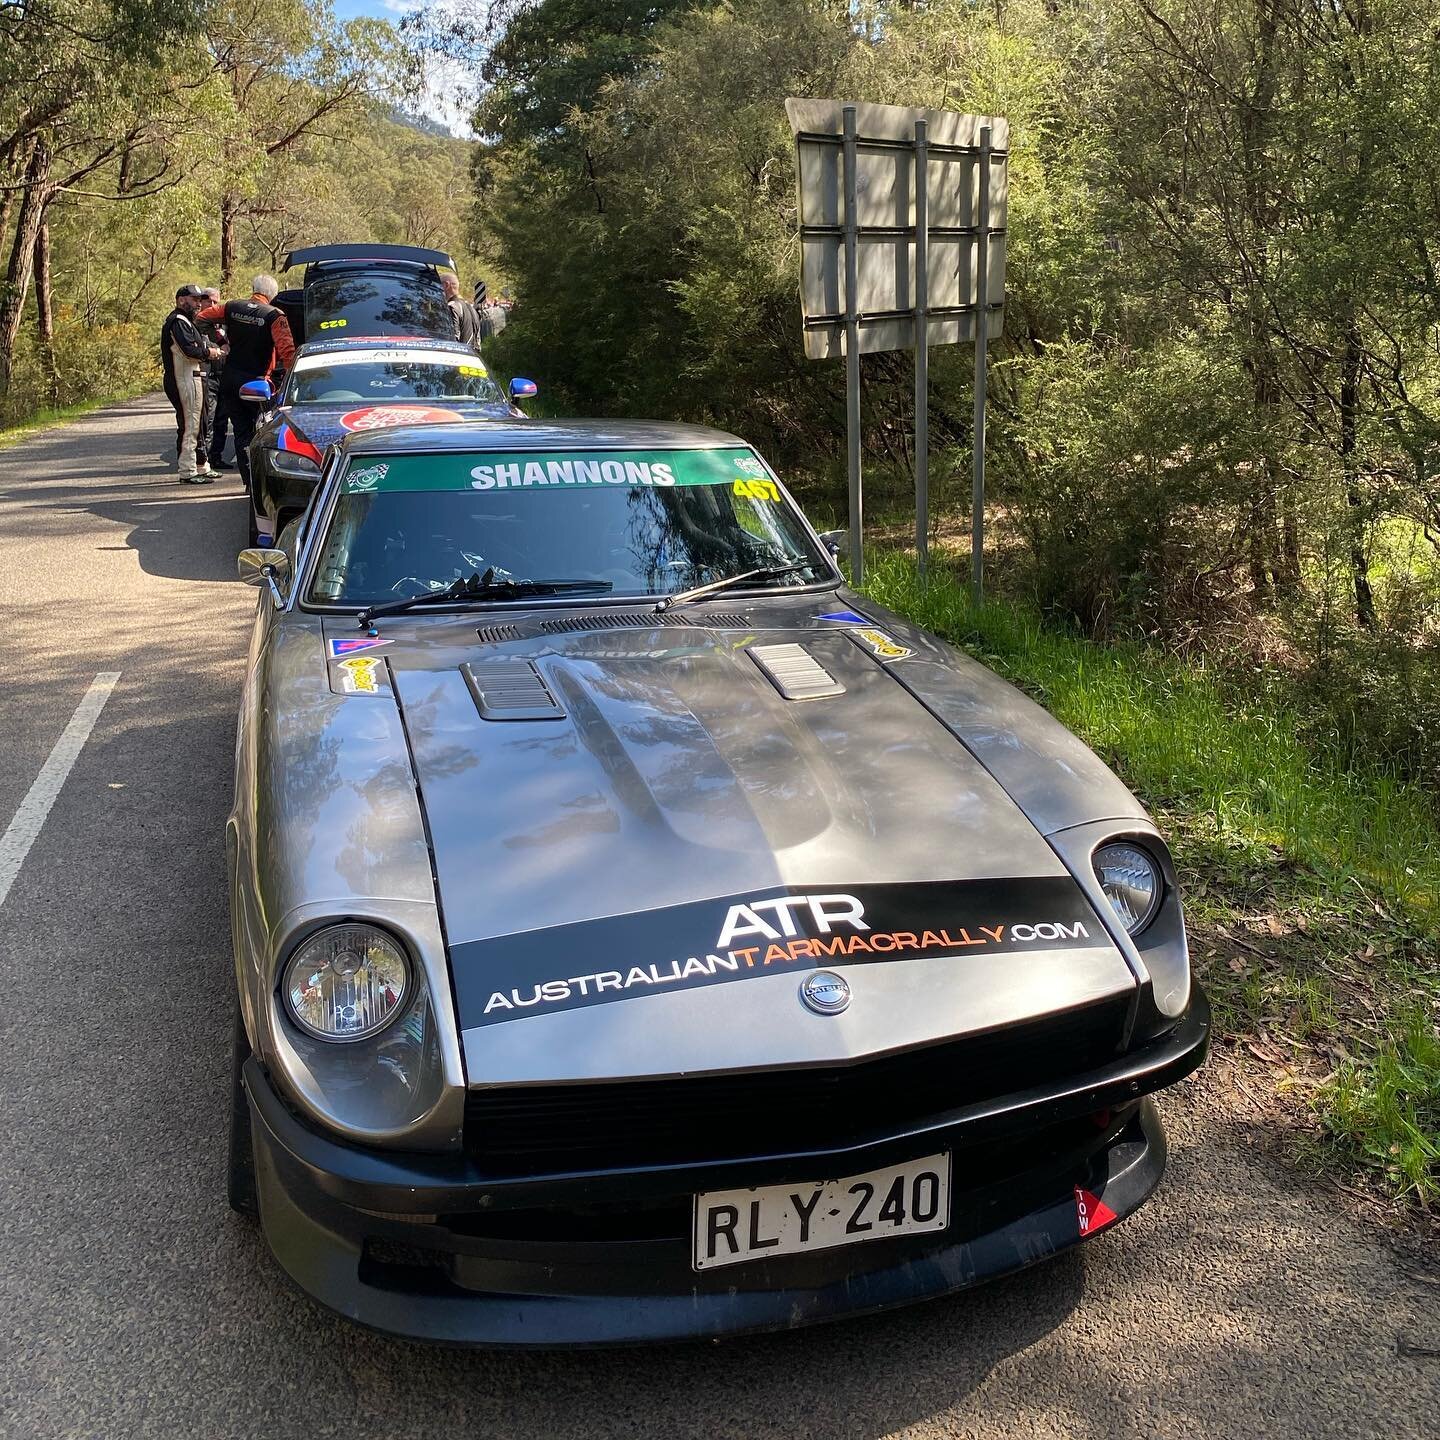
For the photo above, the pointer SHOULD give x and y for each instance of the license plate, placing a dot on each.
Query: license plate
(733, 1226)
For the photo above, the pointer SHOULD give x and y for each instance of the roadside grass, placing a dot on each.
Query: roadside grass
(38, 420)
(1312, 888)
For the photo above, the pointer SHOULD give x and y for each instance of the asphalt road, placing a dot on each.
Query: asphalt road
(1241, 1302)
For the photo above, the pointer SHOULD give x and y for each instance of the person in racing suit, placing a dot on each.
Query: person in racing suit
(184, 352)
(261, 347)
(212, 444)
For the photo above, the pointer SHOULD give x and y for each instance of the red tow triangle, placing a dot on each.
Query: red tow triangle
(1091, 1212)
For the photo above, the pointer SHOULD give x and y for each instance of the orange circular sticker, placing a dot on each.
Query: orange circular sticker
(377, 417)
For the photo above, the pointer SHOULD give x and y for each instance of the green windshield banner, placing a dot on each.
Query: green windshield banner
(561, 470)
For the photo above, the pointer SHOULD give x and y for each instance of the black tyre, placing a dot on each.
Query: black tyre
(240, 1176)
(254, 528)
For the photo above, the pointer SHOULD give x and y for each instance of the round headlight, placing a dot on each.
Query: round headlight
(346, 982)
(1131, 882)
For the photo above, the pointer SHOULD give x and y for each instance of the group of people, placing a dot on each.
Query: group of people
(478, 320)
(209, 348)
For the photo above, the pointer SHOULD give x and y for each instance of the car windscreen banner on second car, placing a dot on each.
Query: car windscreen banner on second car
(564, 470)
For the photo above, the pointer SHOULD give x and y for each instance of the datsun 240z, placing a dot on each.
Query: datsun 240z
(639, 935)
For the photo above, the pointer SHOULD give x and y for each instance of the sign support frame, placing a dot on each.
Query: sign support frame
(982, 317)
(852, 350)
(922, 347)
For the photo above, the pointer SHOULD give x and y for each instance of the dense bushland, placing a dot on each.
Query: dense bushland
(1217, 402)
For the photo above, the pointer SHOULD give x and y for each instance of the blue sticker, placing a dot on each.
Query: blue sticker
(845, 617)
(349, 647)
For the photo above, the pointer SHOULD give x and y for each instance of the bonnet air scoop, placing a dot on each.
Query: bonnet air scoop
(510, 690)
(795, 672)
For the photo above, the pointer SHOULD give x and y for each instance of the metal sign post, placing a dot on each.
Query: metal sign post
(899, 208)
(982, 308)
(852, 351)
(922, 347)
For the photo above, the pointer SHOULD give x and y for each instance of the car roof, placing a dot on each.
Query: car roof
(385, 342)
(537, 435)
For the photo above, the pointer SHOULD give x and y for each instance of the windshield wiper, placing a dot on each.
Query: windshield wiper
(767, 572)
(482, 587)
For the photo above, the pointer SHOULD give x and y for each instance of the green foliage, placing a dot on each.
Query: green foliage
(1312, 885)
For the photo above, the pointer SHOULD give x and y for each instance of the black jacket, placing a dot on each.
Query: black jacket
(179, 333)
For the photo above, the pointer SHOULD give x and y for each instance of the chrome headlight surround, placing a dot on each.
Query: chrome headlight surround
(346, 983)
(1157, 953)
(1131, 881)
(402, 1084)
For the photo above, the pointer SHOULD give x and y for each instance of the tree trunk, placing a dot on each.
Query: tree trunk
(229, 211)
(45, 313)
(1349, 461)
(33, 200)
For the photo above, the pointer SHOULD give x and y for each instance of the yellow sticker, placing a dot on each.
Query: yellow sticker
(474, 370)
(757, 489)
(333, 324)
(357, 676)
(879, 644)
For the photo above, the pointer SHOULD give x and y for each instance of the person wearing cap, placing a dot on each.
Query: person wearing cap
(184, 352)
(261, 347)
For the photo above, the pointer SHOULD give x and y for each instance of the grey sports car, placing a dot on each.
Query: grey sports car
(638, 935)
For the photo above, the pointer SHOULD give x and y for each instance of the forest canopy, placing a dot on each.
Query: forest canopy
(146, 143)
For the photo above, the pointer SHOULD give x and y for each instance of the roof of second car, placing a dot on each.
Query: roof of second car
(494, 435)
(384, 342)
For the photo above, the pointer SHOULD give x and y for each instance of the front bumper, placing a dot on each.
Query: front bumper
(427, 1247)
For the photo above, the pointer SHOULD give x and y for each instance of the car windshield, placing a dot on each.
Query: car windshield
(390, 375)
(643, 522)
(365, 301)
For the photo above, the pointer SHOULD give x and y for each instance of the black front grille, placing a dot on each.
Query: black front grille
(538, 1129)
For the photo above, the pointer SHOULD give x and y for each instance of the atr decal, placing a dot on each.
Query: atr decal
(843, 617)
(1091, 1213)
(357, 677)
(349, 647)
(879, 644)
(712, 942)
(381, 417)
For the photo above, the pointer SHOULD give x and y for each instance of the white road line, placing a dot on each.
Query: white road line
(28, 820)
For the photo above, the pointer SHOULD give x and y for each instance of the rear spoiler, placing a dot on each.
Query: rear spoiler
(414, 254)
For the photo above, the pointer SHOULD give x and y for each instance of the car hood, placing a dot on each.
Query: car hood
(323, 425)
(642, 845)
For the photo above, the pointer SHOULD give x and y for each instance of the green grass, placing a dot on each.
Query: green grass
(38, 420)
(1311, 886)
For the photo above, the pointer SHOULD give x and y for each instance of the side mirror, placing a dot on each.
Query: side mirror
(258, 392)
(264, 567)
(523, 389)
(834, 540)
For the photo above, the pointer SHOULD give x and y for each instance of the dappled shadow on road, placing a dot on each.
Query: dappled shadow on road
(116, 466)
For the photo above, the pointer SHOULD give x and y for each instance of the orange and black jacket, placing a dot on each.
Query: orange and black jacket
(259, 335)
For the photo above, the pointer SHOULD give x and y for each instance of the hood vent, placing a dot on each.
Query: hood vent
(640, 620)
(510, 690)
(795, 672)
(497, 634)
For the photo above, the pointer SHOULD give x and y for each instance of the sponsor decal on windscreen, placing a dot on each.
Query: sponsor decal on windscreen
(569, 472)
(716, 942)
